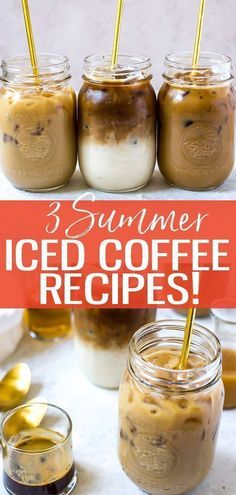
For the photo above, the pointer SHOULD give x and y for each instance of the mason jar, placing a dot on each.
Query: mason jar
(196, 121)
(169, 418)
(117, 123)
(38, 135)
(102, 337)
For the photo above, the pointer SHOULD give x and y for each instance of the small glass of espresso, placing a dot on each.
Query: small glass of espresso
(37, 451)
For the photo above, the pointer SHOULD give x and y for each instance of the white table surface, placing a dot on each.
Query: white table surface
(156, 189)
(94, 414)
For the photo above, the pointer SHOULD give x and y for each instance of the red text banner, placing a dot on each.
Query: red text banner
(91, 253)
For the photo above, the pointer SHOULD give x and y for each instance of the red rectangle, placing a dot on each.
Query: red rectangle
(119, 253)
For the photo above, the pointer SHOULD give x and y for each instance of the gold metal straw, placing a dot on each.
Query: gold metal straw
(115, 48)
(187, 339)
(30, 38)
(198, 38)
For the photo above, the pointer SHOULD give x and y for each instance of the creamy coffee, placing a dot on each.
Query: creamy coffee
(38, 139)
(196, 111)
(117, 124)
(169, 419)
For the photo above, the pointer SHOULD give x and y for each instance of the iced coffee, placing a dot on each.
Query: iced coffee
(38, 130)
(102, 337)
(49, 324)
(196, 112)
(117, 124)
(169, 419)
(38, 460)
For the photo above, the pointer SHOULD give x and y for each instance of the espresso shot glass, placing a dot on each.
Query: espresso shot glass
(37, 451)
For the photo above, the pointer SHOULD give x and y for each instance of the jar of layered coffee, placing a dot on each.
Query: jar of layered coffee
(38, 135)
(196, 121)
(117, 123)
(169, 418)
(102, 337)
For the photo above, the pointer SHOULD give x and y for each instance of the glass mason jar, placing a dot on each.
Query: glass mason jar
(224, 322)
(196, 121)
(102, 337)
(169, 418)
(37, 451)
(117, 123)
(49, 324)
(38, 136)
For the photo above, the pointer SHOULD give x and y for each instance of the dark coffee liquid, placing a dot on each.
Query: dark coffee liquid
(55, 488)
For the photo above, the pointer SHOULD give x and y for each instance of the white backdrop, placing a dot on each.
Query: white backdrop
(81, 27)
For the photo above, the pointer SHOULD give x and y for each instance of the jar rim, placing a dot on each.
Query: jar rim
(179, 376)
(45, 61)
(99, 67)
(53, 69)
(216, 58)
(213, 68)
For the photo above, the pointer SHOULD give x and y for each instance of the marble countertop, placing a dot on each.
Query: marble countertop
(94, 414)
(156, 189)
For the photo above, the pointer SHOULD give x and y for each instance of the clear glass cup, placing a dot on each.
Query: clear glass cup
(102, 337)
(37, 451)
(196, 115)
(38, 142)
(48, 324)
(169, 418)
(117, 123)
(224, 322)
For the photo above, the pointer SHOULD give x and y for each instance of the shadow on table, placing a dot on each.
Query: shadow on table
(222, 478)
(87, 479)
(78, 185)
(35, 391)
(30, 346)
